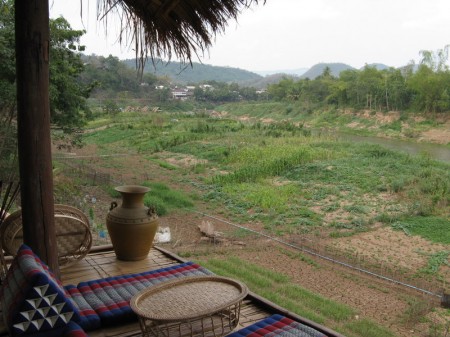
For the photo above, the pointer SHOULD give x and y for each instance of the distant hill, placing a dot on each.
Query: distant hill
(318, 69)
(197, 73)
(378, 66)
(297, 72)
(263, 82)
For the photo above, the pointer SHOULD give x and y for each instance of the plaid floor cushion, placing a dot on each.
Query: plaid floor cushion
(277, 325)
(110, 297)
(33, 299)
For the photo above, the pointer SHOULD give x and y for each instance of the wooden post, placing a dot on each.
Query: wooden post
(33, 124)
(445, 302)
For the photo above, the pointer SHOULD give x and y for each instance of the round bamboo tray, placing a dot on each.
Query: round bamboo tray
(190, 306)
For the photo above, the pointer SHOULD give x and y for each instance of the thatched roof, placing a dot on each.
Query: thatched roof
(163, 28)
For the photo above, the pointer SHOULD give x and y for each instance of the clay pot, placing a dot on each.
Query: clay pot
(131, 226)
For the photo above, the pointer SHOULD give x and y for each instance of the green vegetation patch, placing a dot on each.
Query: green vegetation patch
(164, 199)
(263, 195)
(366, 328)
(112, 134)
(255, 162)
(160, 197)
(435, 229)
(435, 261)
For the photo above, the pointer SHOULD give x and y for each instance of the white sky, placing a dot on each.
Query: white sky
(291, 34)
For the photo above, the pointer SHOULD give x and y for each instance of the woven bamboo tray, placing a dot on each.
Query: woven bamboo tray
(190, 306)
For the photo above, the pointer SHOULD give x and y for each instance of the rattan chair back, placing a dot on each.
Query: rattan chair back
(73, 235)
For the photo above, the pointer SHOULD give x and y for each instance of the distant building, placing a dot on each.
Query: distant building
(182, 93)
(206, 87)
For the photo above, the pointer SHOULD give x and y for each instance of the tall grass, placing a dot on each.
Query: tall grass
(263, 194)
(164, 199)
(254, 163)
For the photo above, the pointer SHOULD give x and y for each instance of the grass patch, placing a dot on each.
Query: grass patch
(262, 195)
(435, 229)
(330, 309)
(255, 162)
(435, 261)
(164, 164)
(298, 256)
(366, 328)
(164, 199)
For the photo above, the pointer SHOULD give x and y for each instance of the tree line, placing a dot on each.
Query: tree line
(422, 88)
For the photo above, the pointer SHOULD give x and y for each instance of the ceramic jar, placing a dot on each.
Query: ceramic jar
(132, 225)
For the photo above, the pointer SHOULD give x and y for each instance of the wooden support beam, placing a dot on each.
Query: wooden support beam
(33, 123)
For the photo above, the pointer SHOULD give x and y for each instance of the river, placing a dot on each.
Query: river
(435, 151)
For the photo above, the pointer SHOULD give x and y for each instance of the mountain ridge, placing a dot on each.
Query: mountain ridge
(201, 73)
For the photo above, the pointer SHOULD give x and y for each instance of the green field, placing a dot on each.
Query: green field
(287, 180)
(292, 180)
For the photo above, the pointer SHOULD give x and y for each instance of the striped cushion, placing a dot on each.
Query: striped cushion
(73, 330)
(89, 319)
(33, 299)
(277, 325)
(110, 297)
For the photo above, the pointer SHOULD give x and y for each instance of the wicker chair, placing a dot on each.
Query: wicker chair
(73, 235)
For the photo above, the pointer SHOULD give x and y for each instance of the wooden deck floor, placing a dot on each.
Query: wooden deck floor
(102, 262)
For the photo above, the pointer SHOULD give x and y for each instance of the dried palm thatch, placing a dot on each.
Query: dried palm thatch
(163, 28)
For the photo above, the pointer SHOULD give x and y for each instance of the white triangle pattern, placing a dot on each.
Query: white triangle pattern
(38, 323)
(49, 299)
(43, 311)
(46, 313)
(35, 302)
(41, 290)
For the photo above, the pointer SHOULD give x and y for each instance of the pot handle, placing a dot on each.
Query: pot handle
(113, 205)
(151, 211)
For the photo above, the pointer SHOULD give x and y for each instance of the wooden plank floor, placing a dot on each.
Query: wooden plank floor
(105, 264)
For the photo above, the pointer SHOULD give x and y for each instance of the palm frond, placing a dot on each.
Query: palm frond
(166, 28)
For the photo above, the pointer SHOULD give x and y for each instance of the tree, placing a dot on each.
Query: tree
(7, 66)
(68, 97)
(436, 61)
(8, 141)
(429, 89)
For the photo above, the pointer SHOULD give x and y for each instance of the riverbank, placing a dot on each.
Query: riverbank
(417, 127)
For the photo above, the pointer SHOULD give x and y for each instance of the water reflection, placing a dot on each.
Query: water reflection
(434, 151)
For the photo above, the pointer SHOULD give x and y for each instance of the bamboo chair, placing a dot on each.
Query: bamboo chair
(8, 193)
(73, 235)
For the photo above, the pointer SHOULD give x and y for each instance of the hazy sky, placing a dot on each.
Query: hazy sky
(290, 34)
